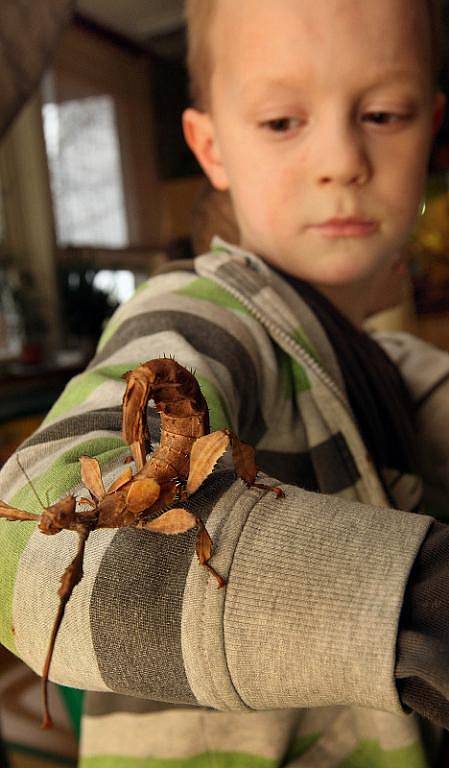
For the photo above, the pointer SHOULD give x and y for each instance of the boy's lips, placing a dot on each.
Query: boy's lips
(348, 227)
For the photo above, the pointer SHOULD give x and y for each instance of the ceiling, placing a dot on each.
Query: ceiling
(138, 20)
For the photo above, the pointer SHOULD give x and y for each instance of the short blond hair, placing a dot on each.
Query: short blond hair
(199, 16)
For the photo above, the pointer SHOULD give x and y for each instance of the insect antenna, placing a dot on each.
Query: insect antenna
(29, 480)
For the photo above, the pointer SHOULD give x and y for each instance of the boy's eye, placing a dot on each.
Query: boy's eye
(281, 124)
(384, 118)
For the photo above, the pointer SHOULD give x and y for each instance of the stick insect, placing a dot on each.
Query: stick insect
(162, 483)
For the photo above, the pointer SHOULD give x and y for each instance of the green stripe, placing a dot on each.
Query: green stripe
(284, 373)
(300, 378)
(300, 746)
(64, 473)
(80, 387)
(206, 290)
(370, 755)
(300, 337)
(73, 699)
(109, 331)
(13, 540)
(221, 249)
(140, 288)
(218, 413)
(204, 760)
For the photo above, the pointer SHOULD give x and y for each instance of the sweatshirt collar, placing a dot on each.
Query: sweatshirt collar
(277, 306)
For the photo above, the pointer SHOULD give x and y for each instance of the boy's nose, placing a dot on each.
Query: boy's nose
(343, 161)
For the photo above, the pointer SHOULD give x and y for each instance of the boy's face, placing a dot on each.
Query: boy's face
(320, 110)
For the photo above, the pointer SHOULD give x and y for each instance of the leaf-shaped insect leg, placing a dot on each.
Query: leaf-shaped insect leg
(124, 478)
(172, 522)
(70, 578)
(204, 551)
(206, 451)
(134, 425)
(91, 477)
(243, 456)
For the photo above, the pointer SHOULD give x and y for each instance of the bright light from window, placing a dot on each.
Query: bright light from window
(85, 172)
(120, 284)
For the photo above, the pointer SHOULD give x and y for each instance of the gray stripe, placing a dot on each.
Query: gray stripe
(244, 280)
(208, 339)
(97, 704)
(136, 607)
(99, 419)
(334, 464)
(294, 468)
(73, 426)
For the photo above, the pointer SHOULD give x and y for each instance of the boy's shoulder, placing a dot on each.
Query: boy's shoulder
(424, 366)
(175, 265)
(183, 297)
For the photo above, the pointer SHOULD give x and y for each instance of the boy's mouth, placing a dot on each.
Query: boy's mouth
(348, 227)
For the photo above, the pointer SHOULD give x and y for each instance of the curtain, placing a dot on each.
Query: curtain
(29, 32)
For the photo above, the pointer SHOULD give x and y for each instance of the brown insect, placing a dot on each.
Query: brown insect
(186, 456)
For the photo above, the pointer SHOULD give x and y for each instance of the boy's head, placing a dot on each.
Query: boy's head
(200, 16)
(312, 111)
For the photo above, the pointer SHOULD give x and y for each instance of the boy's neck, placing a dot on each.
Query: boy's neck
(350, 300)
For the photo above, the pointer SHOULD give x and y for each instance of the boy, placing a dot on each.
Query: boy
(318, 117)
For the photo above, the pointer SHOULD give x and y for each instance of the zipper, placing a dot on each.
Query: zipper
(285, 341)
(376, 494)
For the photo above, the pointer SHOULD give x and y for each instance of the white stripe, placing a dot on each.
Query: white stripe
(34, 607)
(37, 459)
(187, 732)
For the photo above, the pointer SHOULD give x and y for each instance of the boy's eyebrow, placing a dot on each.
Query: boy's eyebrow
(257, 87)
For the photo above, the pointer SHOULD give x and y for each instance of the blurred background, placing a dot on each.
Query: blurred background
(97, 191)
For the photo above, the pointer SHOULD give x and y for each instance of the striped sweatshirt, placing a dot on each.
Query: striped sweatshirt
(292, 663)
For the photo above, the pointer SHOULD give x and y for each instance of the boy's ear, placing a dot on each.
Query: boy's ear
(438, 111)
(199, 134)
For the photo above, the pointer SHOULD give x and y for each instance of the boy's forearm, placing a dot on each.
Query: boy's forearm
(309, 616)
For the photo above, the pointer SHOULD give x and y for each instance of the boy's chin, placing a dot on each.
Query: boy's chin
(338, 271)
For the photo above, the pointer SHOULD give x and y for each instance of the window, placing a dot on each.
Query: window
(85, 172)
(98, 130)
